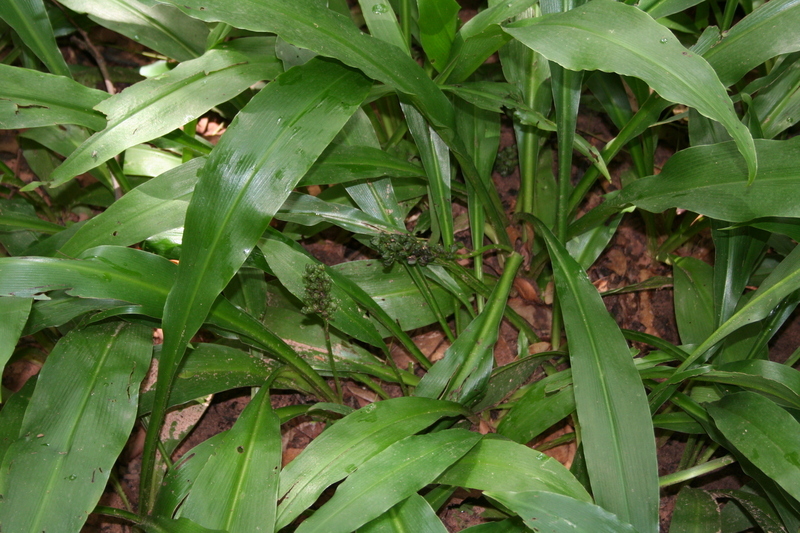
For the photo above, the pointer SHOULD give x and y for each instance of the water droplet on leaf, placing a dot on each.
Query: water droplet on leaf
(379, 9)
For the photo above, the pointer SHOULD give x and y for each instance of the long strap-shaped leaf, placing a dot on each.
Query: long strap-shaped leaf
(784, 280)
(29, 99)
(29, 20)
(156, 26)
(388, 478)
(561, 514)
(611, 403)
(269, 146)
(349, 443)
(614, 37)
(413, 514)
(77, 422)
(710, 180)
(311, 25)
(753, 40)
(237, 490)
(156, 106)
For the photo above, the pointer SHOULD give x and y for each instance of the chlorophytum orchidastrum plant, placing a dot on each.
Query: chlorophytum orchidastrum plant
(378, 122)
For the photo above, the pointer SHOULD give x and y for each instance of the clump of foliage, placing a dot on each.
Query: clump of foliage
(388, 110)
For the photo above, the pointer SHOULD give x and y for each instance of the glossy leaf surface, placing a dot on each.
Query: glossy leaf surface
(499, 465)
(712, 181)
(349, 443)
(157, 26)
(748, 421)
(752, 40)
(79, 418)
(614, 37)
(611, 403)
(156, 106)
(29, 99)
(387, 478)
(29, 20)
(561, 514)
(237, 489)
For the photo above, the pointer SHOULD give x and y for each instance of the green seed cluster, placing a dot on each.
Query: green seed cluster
(399, 247)
(507, 160)
(318, 292)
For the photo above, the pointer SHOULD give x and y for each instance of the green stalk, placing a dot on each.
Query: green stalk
(646, 116)
(566, 96)
(422, 284)
(190, 128)
(331, 361)
(695, 471)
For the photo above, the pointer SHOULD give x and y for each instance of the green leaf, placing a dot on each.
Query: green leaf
(696, 511)
(737, 251)
(104, 272)
(13, 315)
(777, 106)
(29, 20)
(342, 163)
(350, 442)
(752, 40)
(79, 418)
(155, 206)
(395, 292)
(536, 411)
(694, 304)
(29, 99)
(412, 514)
(289, 266)
(362, 299)
(12, 415)
(479, 38)
(156, 106)
(110, 272)
(511, 525)
(663, 8)
(212, 368)
(163, 524)
(246, 179)
(588, 246)
(778, 382)
(759, 509)
(435, 158)
(611, 403)
(560, 514)
(63, 139)
(160, 27)
(179, 479)
(309, 210)
(311, 25)
(382, 22)
(500, 465)
(463, 373)
(710, 180)
(237, 489)
(764, 433)
(437, 29)
(614, 37)
(388, 478)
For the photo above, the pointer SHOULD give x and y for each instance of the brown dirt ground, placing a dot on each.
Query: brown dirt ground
(626, 261)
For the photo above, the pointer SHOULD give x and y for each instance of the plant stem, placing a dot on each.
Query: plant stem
(119, 490)
(335, 373)
(695, 471)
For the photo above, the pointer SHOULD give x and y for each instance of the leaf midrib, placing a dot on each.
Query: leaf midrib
(60, 459)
